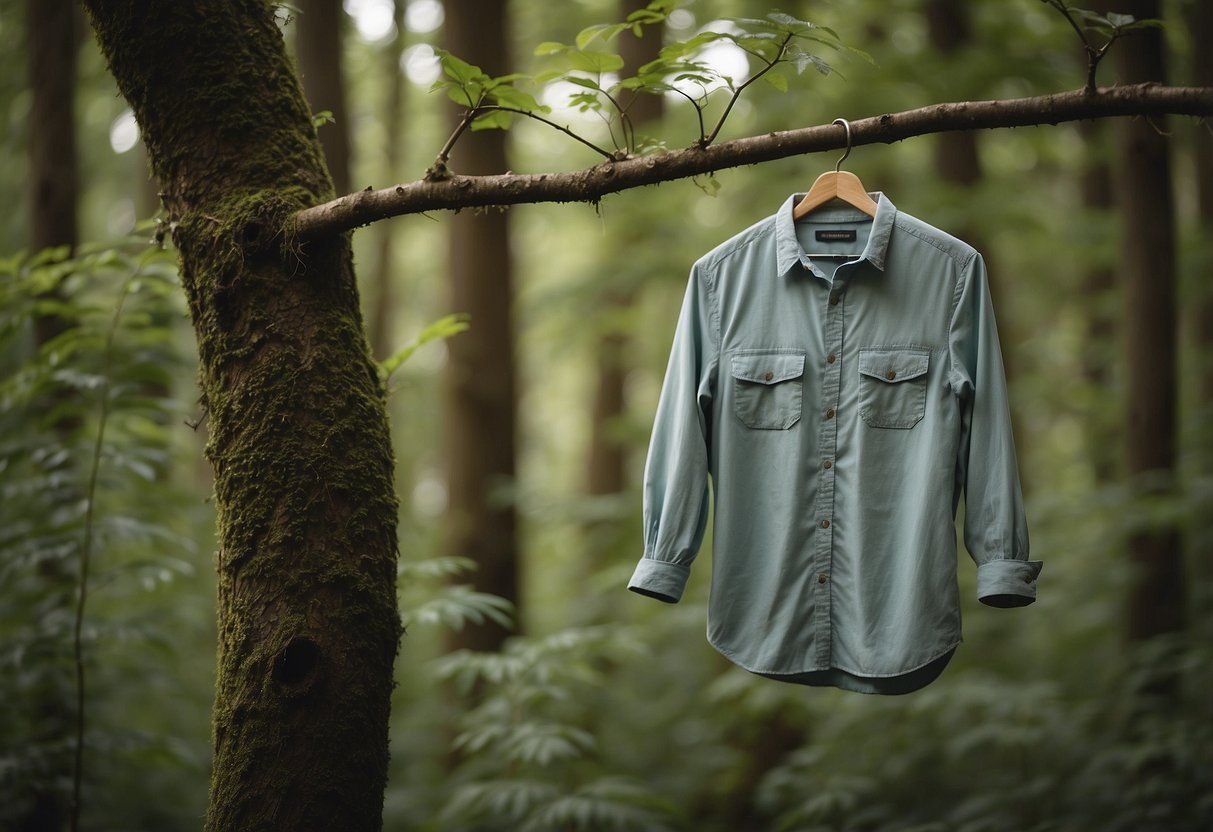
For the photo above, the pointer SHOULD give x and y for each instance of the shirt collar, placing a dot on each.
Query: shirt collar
(787, 248)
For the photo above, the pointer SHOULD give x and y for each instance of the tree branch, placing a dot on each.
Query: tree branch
(591, 184)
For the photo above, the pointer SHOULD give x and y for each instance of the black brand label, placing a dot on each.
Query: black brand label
(836, 235)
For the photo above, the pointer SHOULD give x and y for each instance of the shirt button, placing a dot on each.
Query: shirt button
(890, 375)
(769, 375)
(825, 524)
(821, 579)
(827, 465)
(830, 413)
(831, 358)
(833, 300)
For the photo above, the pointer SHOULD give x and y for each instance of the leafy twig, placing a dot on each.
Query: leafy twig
(704, 142)
(1114, 26)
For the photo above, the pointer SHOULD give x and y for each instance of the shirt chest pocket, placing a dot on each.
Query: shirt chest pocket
(893, 386)
(768, 388)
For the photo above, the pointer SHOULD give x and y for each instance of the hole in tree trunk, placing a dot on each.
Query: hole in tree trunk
(297, 662)
(251, 233)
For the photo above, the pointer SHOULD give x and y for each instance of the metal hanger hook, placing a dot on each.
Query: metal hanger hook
(847, 126)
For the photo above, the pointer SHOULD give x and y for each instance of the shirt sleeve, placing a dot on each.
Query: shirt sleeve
(677, 468)
(995, 529)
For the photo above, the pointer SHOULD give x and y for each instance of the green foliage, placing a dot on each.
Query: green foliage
(590, 66)
(771, 41)
(322, 118)
(451, 606)
(445, 327)
(1111, 26)
(528, 759)
(89, 402)
(491, 101)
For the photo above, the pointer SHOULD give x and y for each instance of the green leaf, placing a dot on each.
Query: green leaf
(1145, 23)
(606, 31)
(508, 96)
(459, 70)
(765, 45)
(437, 567)
(585, 101)
(458, 605)
(442, 328)
(581, 81)
(594, 61)
(655, 12)
(493, 120)
(550, 47)
(680, 49)
(548, 76)
(789, 21)
(467, 96)
(322, 118)
(777, 80)
(1120, 20)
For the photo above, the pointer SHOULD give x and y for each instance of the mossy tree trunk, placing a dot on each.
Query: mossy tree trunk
(307, 619)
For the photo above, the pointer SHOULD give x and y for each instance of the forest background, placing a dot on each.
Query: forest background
(607, 711)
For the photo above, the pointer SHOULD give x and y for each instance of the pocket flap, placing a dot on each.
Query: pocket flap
(768, 367)
(894, 365)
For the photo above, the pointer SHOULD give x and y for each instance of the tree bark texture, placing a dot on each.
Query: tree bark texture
(591, 184)
(480, 401)
(298, 439)
(318, 28)
(1156, 596)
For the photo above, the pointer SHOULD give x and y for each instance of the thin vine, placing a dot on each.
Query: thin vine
(86, 553)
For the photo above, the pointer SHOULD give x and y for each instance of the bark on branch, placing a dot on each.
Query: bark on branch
(591, 184)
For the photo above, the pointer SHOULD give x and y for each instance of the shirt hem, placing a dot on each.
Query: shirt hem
(951, 648)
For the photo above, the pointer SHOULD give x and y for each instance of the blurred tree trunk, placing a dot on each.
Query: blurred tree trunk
(1099, 293)
(1156, 595)
(1098, 287)
(53, 169)
(318, 28)
(606, 470)
(481, 402)
(1200, 25)
(307, 618)
(380, 323)
(958, 163)
(1200, 16)
(53, 191)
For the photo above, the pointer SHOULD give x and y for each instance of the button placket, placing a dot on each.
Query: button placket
(827, 443)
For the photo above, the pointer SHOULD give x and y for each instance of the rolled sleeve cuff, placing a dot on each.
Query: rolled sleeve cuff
(1008, 583)
(660, 579)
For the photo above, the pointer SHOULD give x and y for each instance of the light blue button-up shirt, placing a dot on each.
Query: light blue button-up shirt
(839, 381)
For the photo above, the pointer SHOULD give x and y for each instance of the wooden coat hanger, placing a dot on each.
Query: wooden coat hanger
(836, 184)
